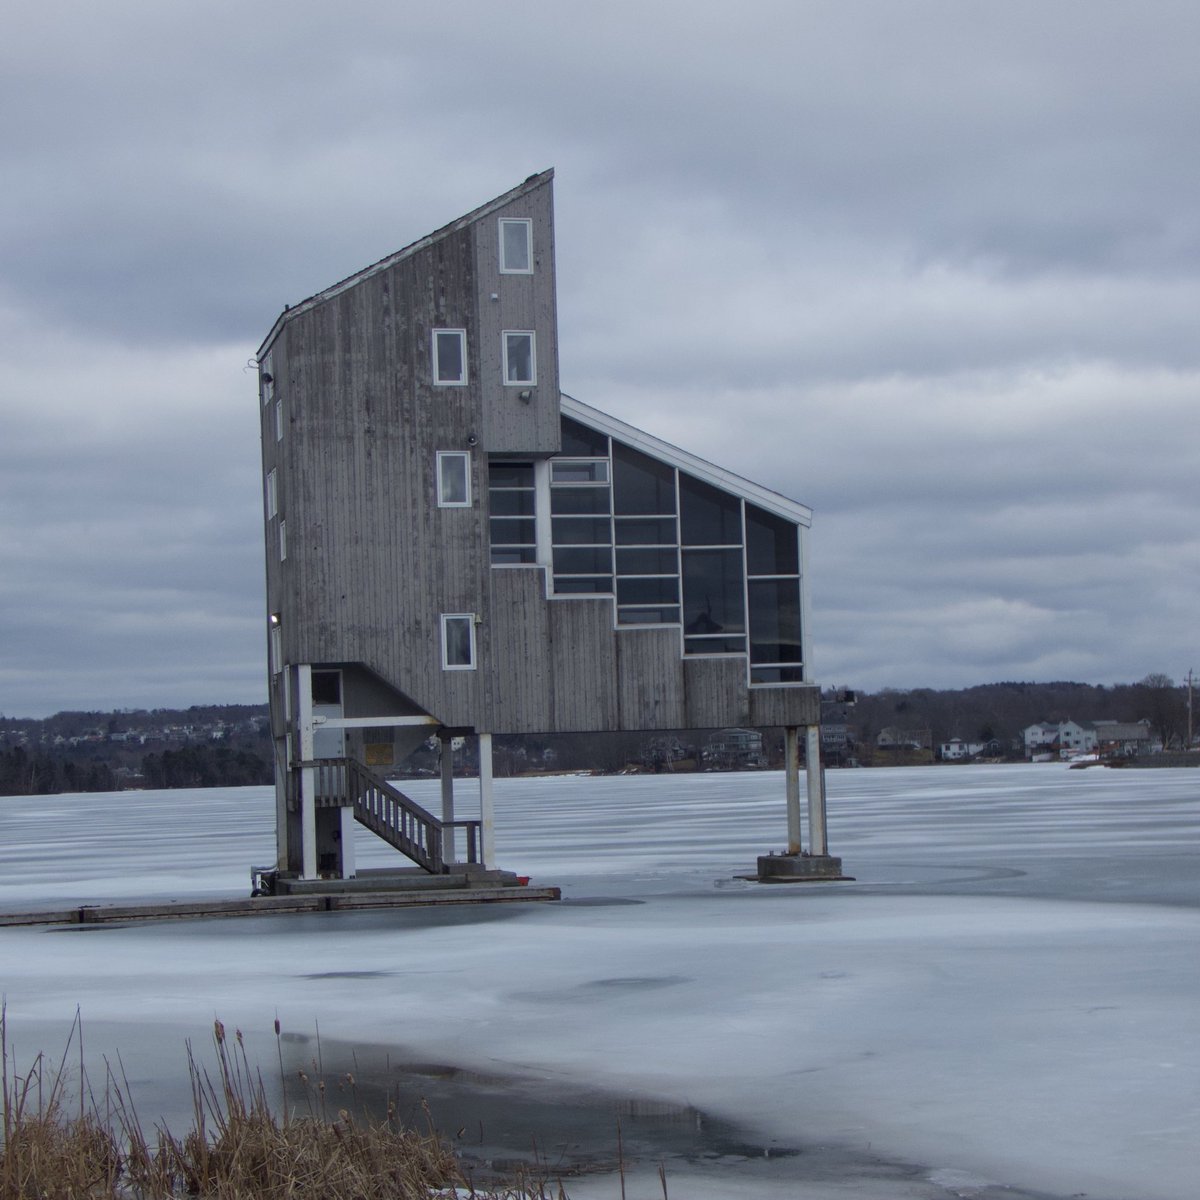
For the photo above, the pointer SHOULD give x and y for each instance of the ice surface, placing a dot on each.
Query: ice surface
(1007, 994)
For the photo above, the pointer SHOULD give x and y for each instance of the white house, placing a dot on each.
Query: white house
(1071, 737)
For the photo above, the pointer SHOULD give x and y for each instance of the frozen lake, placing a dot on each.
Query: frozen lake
(1007, 996)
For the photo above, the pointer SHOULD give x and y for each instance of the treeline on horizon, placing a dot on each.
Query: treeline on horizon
(31, 764)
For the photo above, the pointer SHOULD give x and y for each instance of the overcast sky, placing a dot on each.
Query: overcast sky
(932, 268)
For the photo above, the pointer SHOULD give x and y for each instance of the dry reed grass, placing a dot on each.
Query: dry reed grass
(70, 1143)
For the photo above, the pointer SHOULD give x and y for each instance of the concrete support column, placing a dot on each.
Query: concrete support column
(487, 814)
(308, 776)
(818, 842)
(446, 743)
(791, 772)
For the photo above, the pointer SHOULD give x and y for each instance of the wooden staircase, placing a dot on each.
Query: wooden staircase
(389, 813)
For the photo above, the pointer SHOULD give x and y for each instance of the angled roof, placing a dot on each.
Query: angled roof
(773, 502)
(530, 184)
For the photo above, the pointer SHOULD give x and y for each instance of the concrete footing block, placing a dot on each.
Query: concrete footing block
(798, 868)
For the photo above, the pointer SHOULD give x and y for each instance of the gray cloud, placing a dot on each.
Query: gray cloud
(931, 268)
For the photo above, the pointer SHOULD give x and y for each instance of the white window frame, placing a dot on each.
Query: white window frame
(435, 359)
(505, 334)
(443, 457)
(282, 541)
(470, 620)
(272, 494)
(275, 646)
(279, 418)
(505, 269)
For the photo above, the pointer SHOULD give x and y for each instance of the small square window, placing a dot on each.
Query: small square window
(516, 246)
(458, 641)
(453, 479)
(272, 493)
(450, 357)
(519, 358)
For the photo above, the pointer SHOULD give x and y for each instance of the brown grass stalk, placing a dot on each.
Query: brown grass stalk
(236, 1149)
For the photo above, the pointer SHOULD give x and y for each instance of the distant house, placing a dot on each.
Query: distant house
(1120, 739)
(894, 738)
(734, 750)
(454, 546)
(1064, 737)
(956, 749)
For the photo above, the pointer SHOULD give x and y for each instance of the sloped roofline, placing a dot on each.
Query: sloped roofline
(530, 184)
(773, 502)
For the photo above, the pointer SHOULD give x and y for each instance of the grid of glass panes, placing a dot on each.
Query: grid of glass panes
(646, 532)
(511, 527)
(773, 597)
(581, 525)
(713, 572)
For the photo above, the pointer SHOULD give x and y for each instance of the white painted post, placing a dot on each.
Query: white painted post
(487, 814)
(308, 776)
(791, 772)
(818, 843)
(347, 831)
(541, 511)
(447, 761)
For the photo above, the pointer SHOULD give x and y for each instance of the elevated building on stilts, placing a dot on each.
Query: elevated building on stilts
(456, 548)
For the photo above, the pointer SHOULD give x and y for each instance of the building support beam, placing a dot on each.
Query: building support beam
(308, 776)
(818, 843)
(796, 865)
(346, 830)
(446, 747)
(487, 814)
(791, 772)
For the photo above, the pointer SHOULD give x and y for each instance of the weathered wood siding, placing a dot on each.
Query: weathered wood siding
(582, 649)
(373, 561)
(510, 424)
(650, 679)
(519, 651)
(717, 694)
(785, 706)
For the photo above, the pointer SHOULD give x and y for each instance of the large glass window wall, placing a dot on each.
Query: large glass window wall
(671, 548)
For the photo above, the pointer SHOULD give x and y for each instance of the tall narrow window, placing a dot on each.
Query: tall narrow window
(450, 357)
(279, 419)
(458, 641)
(773, 593)
(282, 540)
(713, 569)
(520, 364)
(512, 526)
(272, 493)
(516, 246)
(275, 644)
(581, 526)
(453, 479)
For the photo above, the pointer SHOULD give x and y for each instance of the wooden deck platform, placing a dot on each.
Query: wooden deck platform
(313, 902)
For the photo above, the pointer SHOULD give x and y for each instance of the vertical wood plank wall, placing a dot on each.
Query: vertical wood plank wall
(373, 561)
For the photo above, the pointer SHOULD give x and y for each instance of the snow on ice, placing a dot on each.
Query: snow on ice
(1005, 996)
